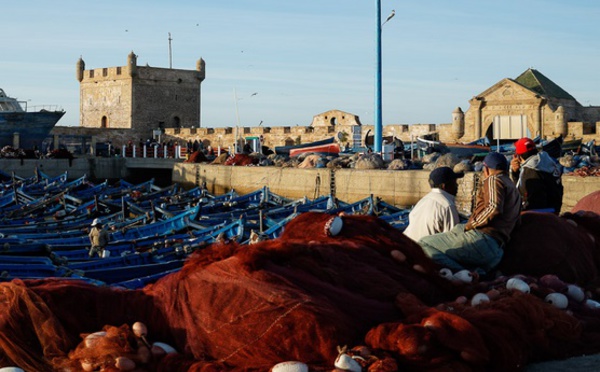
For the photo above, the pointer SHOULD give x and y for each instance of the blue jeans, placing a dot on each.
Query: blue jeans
(458, 249)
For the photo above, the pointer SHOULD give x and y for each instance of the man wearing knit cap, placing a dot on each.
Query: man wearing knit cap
(477, 245)
(436, 212)
(537, 176)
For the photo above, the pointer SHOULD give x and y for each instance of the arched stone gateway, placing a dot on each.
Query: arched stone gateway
(530, 105)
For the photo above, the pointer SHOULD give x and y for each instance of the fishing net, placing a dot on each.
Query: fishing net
(309, 161)
(299, 297)
(241, 160)
(369, 161)
(197, 157)
(590, 202)
(544, 243)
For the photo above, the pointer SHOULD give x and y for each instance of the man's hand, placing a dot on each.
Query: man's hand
(515, 164)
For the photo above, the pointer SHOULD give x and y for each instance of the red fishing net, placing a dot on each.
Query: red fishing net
(590, 202)
(546, 244)
(197, 157)
(241, 159)
(246, 308)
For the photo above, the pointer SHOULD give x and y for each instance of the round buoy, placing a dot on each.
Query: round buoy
(345, 362)
(557, 300)
(479, 298)
(166, 347)
(591, 304)
(464, 276)
(291, 366)
(91, 339)
(334, 226)
(575, 293)
(518, 284)
(446, 273)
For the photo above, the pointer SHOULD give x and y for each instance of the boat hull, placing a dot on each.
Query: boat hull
(32, 127)
(330, 149)
(285, 150)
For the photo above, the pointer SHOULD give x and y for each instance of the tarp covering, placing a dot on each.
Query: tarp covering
(299, 297)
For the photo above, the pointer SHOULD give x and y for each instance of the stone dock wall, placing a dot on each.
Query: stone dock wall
(400, 188)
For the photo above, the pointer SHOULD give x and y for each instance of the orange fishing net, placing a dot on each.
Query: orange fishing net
(241, 159)
(299, 297)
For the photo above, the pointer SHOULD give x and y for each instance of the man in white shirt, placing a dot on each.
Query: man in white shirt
(436, 212)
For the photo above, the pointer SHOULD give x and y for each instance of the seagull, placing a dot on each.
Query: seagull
(253, 94)
(392, 14)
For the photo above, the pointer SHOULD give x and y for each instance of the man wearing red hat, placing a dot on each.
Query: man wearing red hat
(537, 177)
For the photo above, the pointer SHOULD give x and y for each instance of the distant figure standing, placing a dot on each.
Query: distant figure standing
(98, 239)
(436, 212)
(537, 176)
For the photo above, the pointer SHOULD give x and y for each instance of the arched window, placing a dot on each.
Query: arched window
(104, 122)
(176, 122)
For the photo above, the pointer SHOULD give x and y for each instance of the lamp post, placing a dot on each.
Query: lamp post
(237, 123)
(378, 110)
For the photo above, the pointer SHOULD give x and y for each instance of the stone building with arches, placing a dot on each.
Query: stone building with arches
(139, 98)
(530, 105)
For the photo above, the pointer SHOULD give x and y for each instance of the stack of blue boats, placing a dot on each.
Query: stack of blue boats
(44, 222)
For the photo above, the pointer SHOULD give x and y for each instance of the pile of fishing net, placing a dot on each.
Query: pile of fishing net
(11, 152)
(197, 157)
(369, 161)
(329, 281)
(590, 202)
(241, 160)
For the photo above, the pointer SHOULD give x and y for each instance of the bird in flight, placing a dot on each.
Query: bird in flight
(253, 94)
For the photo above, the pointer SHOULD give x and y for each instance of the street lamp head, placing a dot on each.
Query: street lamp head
(392, 14)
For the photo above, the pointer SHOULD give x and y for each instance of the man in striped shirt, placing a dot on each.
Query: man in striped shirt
(477, 245)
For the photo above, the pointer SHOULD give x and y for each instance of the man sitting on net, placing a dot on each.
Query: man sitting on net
(436, 212)
(477, 245)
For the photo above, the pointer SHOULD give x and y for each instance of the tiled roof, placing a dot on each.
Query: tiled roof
(537, 82)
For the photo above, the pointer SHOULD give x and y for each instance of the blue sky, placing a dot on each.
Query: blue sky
(305, 57)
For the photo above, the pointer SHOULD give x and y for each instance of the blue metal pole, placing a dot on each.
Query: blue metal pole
(378, 121)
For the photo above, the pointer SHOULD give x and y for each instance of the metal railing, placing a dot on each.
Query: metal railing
(155, 152)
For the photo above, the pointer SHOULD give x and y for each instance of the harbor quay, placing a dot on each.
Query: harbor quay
(402, 188)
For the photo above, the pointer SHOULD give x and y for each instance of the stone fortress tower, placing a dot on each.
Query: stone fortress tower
(141, 98)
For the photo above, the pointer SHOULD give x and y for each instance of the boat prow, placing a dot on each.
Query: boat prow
(32, 126)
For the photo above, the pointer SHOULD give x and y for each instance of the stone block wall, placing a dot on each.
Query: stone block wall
(401, 188)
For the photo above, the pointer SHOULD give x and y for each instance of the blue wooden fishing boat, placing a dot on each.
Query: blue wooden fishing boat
(119, 274)
(17, 270)
(141, 282)
(152, 229)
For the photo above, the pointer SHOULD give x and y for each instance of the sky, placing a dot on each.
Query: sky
(302, 58)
